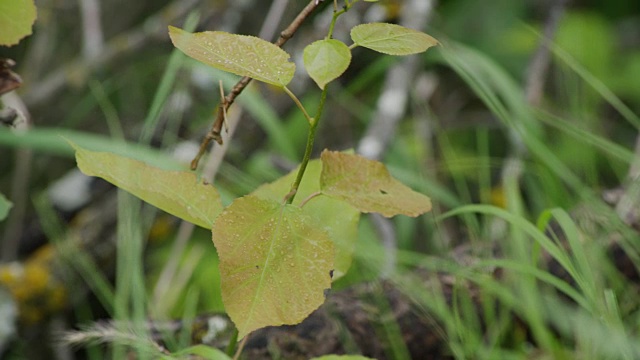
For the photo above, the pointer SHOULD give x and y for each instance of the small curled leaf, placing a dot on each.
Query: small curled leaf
(391, 39)
(238, 54)
(325, 60)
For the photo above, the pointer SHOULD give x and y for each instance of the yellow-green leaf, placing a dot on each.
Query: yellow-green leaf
(176, 192)
(367, 185)
(325, 60)
(275, 263)
(337, 218)
(238, 54)
(16, 19)
(391, 39)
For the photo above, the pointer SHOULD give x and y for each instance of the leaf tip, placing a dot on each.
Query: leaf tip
(175, 33)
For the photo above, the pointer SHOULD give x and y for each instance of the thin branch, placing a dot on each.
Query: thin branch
(336, 13)
(239, 351)
(224, 112)
(216, 128)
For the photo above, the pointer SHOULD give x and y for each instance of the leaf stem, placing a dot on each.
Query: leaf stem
(315, 194)
(298, 103)
(307, 153)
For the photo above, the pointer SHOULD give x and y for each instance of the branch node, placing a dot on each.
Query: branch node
(286, 35)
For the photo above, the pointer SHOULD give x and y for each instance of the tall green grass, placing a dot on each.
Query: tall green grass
(560, 318)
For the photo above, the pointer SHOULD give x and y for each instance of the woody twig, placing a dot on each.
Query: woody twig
(216, 129)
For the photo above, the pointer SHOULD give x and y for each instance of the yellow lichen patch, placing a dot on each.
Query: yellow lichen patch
(36, 276)
(37, 292)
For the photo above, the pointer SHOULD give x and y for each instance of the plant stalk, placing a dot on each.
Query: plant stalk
(313, 122)
(336, 14)
(313, 125)
(233, 342)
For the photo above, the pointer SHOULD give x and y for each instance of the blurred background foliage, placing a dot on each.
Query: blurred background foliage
(98, 86)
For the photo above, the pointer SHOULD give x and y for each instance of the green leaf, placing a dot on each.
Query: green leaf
(325, 60)
(274, 263)
(367, 185)
(339, 219)
(176, 192)
(391, 39)
(16, 19)
(5, 206)
(238, 54)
